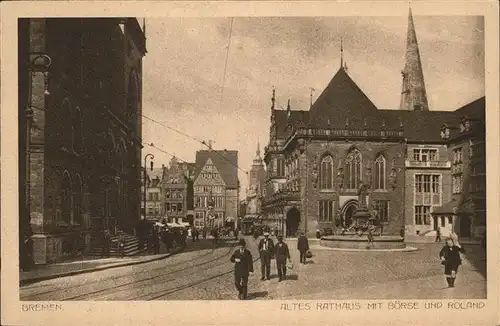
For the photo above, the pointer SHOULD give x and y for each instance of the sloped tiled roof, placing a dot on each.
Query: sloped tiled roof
(296, 118)
(226, 162)
(418, 126)
(343, 101)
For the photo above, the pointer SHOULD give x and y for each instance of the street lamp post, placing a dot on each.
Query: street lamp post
(145, 178)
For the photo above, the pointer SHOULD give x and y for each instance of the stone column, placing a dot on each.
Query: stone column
(36, 141)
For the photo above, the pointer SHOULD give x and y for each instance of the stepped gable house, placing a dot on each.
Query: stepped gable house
(318, 158)
(80, 86)
(216, 186)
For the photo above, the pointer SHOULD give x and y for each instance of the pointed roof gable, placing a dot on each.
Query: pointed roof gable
(225, 161)
(296, 118)
(341, 101)
(413, 92)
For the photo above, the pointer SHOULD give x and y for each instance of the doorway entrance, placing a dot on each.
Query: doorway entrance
(292, 222)
(465, 226)
(348, 212)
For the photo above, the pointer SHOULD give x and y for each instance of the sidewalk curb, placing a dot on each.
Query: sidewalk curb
(93, 269)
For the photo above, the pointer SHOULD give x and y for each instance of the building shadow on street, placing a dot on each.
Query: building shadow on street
(476, 255)
(257, 295)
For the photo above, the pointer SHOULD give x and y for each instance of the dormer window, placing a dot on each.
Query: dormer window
(445, 132)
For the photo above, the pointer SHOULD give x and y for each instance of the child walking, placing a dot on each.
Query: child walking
(450, 258)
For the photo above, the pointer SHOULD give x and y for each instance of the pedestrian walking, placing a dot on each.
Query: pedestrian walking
(302, 247)
(438, 234)
(106, 243)
(370, 234)
(450, 258)
(121, 245)
(236, 231)
(281, 254)
(193, 235)
(266, 251)
(243, 267)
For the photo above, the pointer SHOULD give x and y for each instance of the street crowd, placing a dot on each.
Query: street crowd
(268, 250)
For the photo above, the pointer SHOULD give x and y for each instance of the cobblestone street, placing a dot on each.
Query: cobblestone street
(206, 274)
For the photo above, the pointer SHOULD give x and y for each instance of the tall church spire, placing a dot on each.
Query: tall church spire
(258, 148)
(413, 94)
(341, 53)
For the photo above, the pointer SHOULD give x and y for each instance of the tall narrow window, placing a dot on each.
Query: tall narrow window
(77, 200)
(353, 169)
(380, 172)
(65, 193)
(326, 173)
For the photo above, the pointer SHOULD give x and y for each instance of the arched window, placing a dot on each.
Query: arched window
(353, 169)
(326, 172)
(380, 172)
(77, 131)
(77, 200)
(65, 194)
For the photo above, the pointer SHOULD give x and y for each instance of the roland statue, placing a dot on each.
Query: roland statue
(362, 193)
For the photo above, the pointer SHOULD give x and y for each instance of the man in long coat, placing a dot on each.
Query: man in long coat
(281, 253)
(243, 267)
(302, 247)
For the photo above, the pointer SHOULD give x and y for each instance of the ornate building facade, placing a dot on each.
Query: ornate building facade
(178, 191)
(318, 158)
(256, 181)
(465, 213)
(154, 194)
(216, 187)
(80, 85)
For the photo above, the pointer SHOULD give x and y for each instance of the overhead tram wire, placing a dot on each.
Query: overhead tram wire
(226, 61)
(220, 103)
(197, 140)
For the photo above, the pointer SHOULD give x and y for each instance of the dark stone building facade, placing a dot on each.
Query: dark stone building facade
(318, 158)
(80, 86)
(465, 138)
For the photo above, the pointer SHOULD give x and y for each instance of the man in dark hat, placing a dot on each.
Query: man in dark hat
(266, 250)
(243, 267)
(302, 247)
(282, 254)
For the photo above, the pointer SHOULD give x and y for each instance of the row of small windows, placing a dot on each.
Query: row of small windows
(205, 201)
(212, 189)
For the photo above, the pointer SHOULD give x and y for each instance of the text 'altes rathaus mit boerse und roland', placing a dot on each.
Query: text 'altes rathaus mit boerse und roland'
(424, 168)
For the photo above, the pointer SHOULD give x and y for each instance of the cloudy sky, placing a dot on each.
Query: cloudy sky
(184, 72)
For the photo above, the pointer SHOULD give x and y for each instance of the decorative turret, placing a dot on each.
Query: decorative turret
(413, 94)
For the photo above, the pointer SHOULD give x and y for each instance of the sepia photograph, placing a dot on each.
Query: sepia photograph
(250, 158)
(131, 178)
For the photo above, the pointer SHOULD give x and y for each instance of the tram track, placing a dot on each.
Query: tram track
(137, 284)
(116, 278)
(162, 293)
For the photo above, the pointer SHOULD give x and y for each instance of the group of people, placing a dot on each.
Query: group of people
(268, 250)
